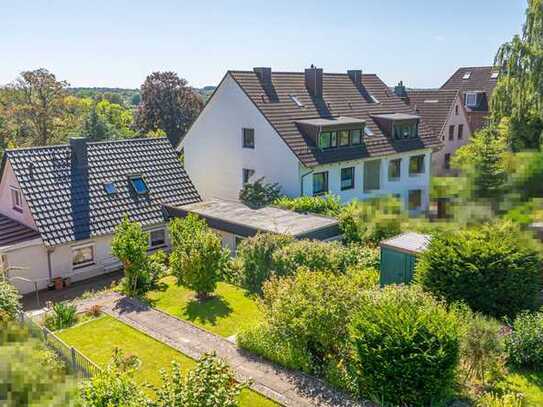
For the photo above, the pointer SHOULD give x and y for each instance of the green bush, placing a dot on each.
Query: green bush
(259, 194)
(371, 221)
(63, 316)
(525, 343)
(255, 256)
(496, 400)
(10, 304)
(495, 269)
(305, 319)
(406, 346)
(328, 205)
(198, 260)
(528, 179)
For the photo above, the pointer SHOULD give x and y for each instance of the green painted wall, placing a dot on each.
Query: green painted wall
(396, 267)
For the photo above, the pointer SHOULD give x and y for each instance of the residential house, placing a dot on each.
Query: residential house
(312, 133)
(443, 110)
(59, 205)
(475, 85)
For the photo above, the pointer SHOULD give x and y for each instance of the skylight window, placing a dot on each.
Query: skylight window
(431, 101)
(296, 100)
(110, 188)
(374, 99)
(467, 75)
(494, 75)
(367, 131)
(139, 185)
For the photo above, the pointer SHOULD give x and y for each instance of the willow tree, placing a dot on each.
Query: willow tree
(519, 92)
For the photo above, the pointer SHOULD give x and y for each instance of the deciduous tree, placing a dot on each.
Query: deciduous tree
(169, 104)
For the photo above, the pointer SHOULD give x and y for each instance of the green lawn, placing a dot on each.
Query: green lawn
(96, 339)
(530, 384)
(225, 314)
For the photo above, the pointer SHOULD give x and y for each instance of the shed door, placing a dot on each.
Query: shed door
(396, 267)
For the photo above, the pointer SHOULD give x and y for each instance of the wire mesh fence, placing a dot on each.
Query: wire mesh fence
(76, 361)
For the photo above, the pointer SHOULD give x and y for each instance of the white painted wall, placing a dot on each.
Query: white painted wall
(213, 152)
(6, 206)
(33, 258)
(401, 186)
(450, 146)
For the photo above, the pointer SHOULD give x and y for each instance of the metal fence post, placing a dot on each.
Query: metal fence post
(74, 364)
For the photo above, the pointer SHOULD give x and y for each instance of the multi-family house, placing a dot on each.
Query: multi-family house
(443, 110)
(312, 133)
(475, 85)
(59, 205)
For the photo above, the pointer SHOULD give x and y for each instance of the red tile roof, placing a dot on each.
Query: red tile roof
(433, 105)
(479, 80)
(340, 98)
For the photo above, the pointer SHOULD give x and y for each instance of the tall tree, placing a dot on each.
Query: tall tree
(37, 100)
(168, 104)
(519, 92)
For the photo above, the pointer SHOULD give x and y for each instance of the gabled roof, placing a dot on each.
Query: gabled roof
(13, 232)
(480, 79)
(433, 105)
(340, 98)
(67, 205)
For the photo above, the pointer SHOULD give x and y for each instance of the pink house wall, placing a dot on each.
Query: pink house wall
(6, 206)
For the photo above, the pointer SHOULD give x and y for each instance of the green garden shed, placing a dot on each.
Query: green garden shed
(399, 256)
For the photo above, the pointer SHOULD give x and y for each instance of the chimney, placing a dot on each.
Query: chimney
(313, 81)
(264, 74)
(400, 91)
(78, 146)
(356, 76)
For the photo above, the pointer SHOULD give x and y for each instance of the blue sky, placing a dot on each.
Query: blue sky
(118, 42)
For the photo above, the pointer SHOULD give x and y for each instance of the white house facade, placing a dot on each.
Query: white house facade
(276, 126)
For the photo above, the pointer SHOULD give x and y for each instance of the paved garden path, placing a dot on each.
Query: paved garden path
(282, 385)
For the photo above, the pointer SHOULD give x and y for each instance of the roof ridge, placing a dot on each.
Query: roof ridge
(298, 72)
(128, 140)
(67, 145)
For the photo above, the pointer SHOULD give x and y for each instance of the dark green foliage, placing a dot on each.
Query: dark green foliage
(63, 316)
(528, 180)
(198, 260)
(371, 221)
(94, 127)
(525, 343)
(10, 304)
(259, 193)
(495, 269)
(328, 205)
(406, 346)
(255, 259)
(210, 384)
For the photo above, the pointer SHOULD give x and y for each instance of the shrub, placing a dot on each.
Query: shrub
(495, 269)
(525, 343)
(198, 259)
(63, 316)
(328, 205)
(210, 383)
(405, 346)
(371, 221)
(495, 400)
(307, 315)
(259, 193)
(10, 304)
(130, 243)
(255, 256)
(95, 311)
(482, 349)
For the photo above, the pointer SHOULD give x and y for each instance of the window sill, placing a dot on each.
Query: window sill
(320, 193)
(249, 147)
(395, 179)
(83, 265)
(347, 189)
(417, 174)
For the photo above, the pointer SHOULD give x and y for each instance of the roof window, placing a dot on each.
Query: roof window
(374, 99)
(139, 185)
(296, 100)
(367, 131)
(431, 101)
(110, 188)
(467, 75)
(494, 75)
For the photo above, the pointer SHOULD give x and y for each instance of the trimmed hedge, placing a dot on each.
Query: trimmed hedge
(495, 269)
(405, 346)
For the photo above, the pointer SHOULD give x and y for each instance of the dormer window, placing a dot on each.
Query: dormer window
(139, 185)
(327, 139)
(470, 99)
(16, 199)
(356, 137)
(405, 130)
(344, 139)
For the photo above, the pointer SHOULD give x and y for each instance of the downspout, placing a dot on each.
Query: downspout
(49, 251)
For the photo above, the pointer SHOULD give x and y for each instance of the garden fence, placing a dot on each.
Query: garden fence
(76, 361)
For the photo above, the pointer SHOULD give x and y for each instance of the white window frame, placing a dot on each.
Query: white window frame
(88, 262)
(468, 95)
(158, 246)
(16, 195)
